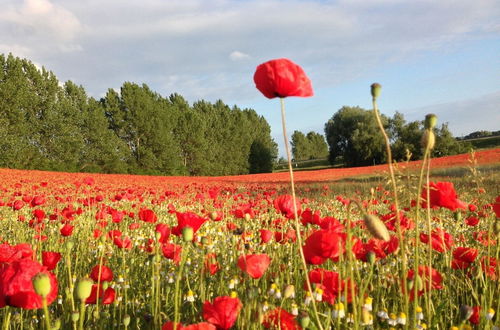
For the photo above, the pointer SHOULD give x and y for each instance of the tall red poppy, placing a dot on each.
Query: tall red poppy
(426, 273)
(322, 245)
(254, 265)
(443, 194)
(106, 296)
(16, 286)
(187, 219)
(441, 241)
(148, 215)
(105, 276)
(282, 78)
(223, 312)
(284, 205)
(67, 230)
(50, 259)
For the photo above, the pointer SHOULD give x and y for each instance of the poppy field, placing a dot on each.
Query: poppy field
(121, 251)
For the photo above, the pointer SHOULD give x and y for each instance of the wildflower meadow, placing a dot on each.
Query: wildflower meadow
(405, 245)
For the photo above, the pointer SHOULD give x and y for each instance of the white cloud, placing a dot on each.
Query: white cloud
(238, 56)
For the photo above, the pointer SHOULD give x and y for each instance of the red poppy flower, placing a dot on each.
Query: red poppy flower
(172, 251)
(211, 263)
(198, 326)
(105, 276)
(223, 312)
(472, 221)
(108, 296)
(50, 259)
(164, 231)
(441, 241)
(279, 318)
(67, 230)
(187, 219)
(474, 318)
(10, 253)
(254, 265)
(465, 254)
(443, 194)
(265, 236)
(322, 245)
(148, 215)
(124, 243)
(426, 273)
(380, 248)
(489, 267)
(284, 205)
(330, 283)
(282, 78)
(16, 287)
(496, 207)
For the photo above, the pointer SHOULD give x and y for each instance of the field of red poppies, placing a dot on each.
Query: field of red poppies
(87, 251)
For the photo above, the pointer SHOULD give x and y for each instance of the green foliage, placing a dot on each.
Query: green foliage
(52, 127)
(354, 137)
(310, 146)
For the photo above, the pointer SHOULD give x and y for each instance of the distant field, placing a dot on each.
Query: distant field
(484, 142)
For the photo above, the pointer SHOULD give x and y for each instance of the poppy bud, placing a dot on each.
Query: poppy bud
(304, 320)
(213, 215)
(375, 90)
(371, 257)
(289, 291)
(126, 320)
(84, 288)
(428, 139)
(376, 227)
(187, 234)
(419, 283)
(57, 325)
(69, 245)
(41, 284)
(75, 316)
(430, 121)
(465, 312)
(457, 215)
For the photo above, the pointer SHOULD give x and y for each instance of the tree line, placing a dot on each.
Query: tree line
(354, 138)
(52, 126)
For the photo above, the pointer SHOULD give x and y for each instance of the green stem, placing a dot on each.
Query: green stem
(46, 313)
(82, 315)
(297, 225)
(6, 324)
(396, 203)
(177, 285)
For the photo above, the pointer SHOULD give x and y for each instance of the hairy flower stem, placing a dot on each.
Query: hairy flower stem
(177, 284)
(295, 213)
(396, 203)
(82, 314)
(429, 229)
(417, 231)
(46, 313)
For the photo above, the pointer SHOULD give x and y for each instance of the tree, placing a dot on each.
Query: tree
(300, 146)
(317, 145)
(353, 137)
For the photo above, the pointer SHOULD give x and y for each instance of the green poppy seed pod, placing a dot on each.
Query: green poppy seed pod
(376, 227)
(75, 316)
(69, 246)
(371, 257)
(57, 324)
(375, 90)
(428, 139)
(496, 227)
(419, 283)
(410, 285)
(304, 321)
(105, 285)
(187, 234)
(84, 288)
(457, 215)
(465, 312)
(430, 121)
(289, 291)
(126, 320)
(213, 215)
(41, 284)
(158, 235)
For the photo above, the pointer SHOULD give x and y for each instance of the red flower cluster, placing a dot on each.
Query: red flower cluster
(322, 245)
(17, 270)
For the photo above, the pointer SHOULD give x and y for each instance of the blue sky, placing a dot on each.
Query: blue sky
(429, 56)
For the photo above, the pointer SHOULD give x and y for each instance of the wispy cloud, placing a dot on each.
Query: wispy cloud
(103, 43)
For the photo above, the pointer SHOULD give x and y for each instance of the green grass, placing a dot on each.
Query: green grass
(484, 142)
